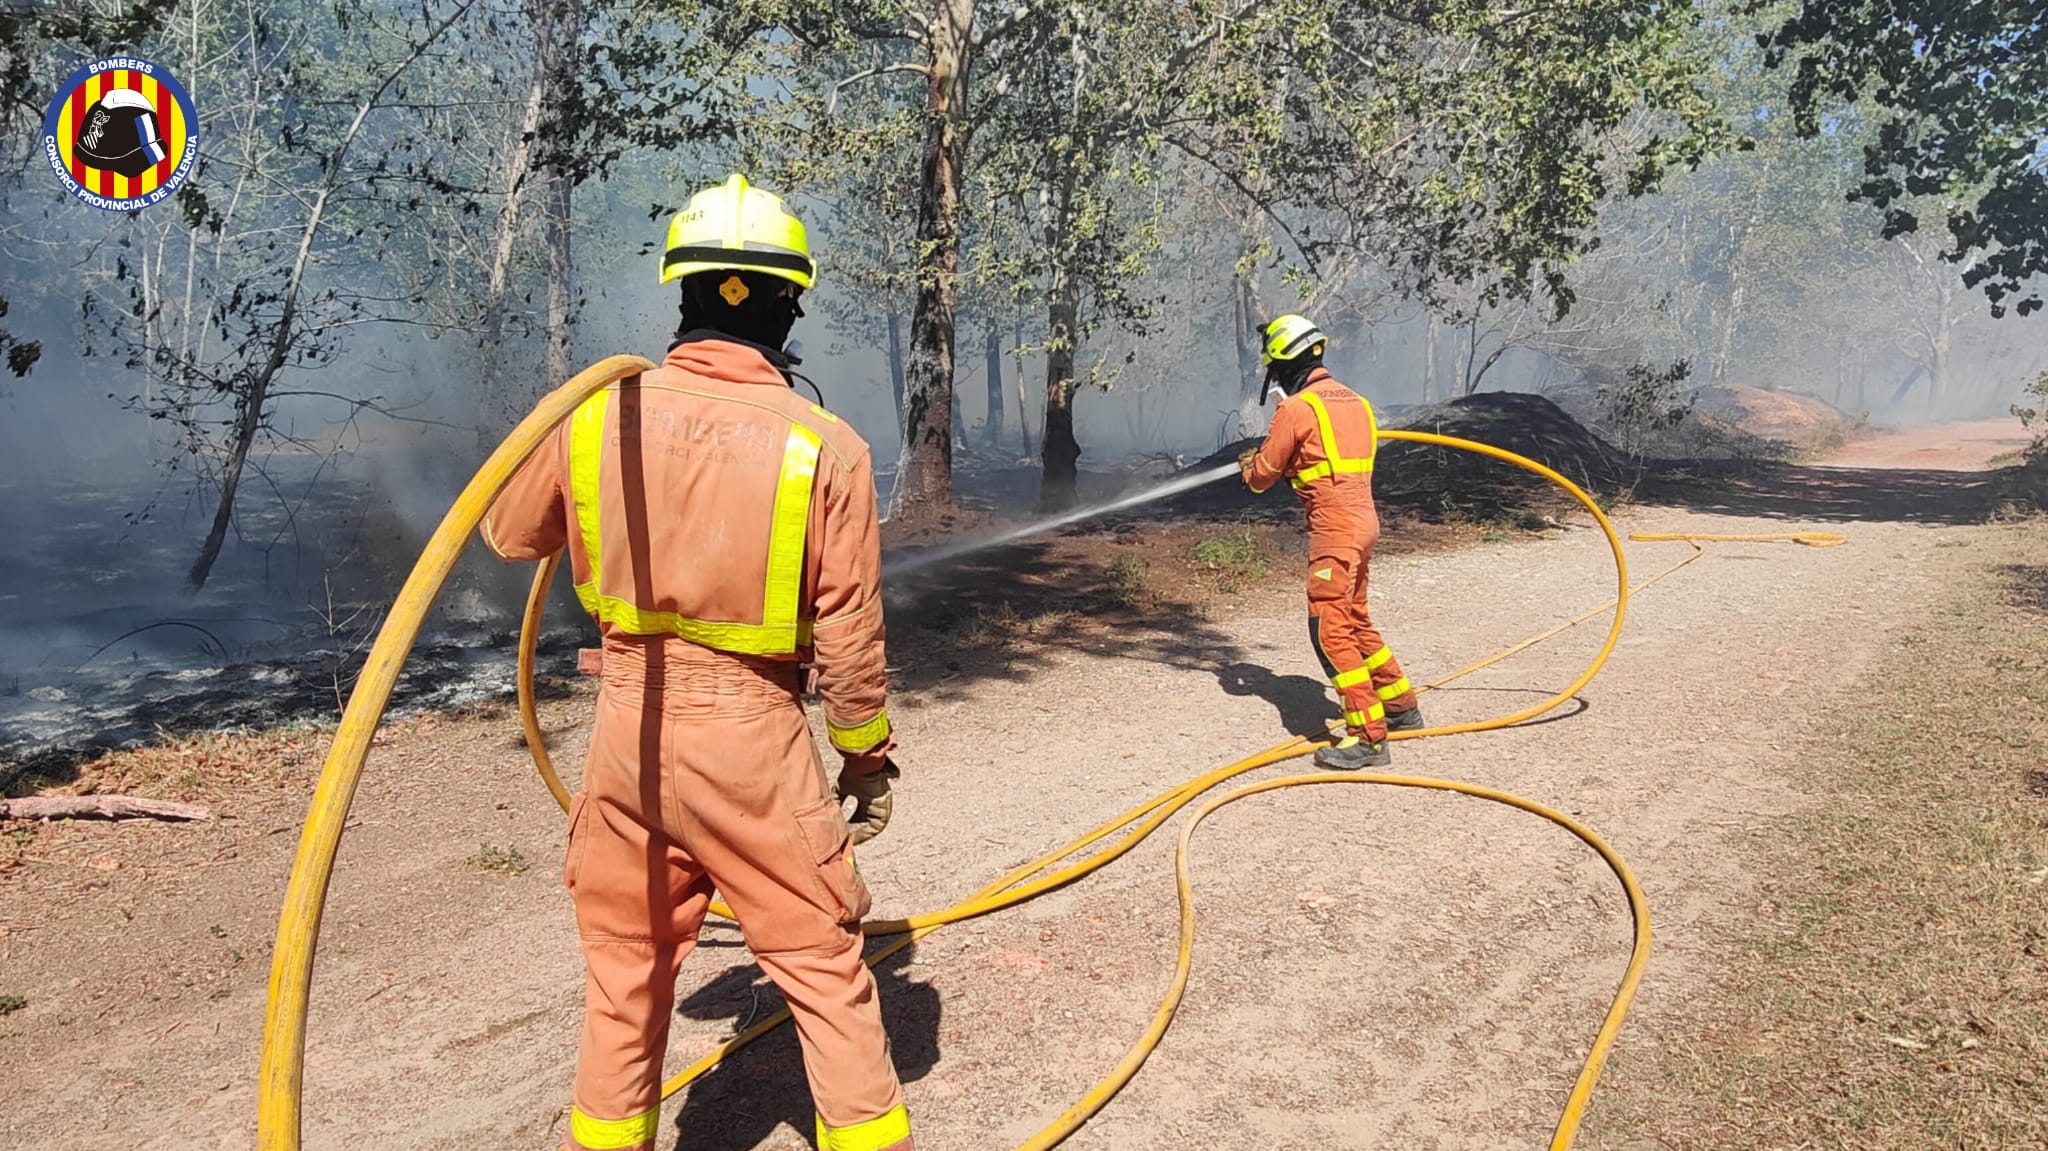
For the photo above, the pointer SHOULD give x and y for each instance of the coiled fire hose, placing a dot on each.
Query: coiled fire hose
(281, 1075)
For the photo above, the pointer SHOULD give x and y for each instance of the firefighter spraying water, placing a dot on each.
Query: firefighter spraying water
(1324, 440)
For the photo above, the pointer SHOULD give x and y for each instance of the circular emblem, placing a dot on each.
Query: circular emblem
(121, 134)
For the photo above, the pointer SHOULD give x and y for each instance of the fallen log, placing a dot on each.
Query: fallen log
(99, 807)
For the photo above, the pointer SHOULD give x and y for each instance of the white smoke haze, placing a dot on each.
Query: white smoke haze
(1752, 276)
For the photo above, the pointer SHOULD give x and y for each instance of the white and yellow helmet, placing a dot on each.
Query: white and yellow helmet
(735, 226)
(1288, 337)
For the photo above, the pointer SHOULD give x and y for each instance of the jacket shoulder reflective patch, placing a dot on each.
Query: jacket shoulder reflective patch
(1325, 573)
(824, 413)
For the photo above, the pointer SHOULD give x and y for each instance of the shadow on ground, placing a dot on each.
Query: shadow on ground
(762, 1087)
(1806, 492)
(1009, 612)
(2027, 586)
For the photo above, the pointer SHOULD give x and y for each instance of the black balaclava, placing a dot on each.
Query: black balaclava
(1290, 376)
(755, 307)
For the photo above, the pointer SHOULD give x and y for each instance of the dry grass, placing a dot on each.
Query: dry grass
(1891, 989)
(203, 766)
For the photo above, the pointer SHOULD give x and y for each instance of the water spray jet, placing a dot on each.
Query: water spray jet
(1185, 482)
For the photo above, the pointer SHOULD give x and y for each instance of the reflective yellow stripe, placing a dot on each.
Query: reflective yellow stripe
(780, 630)
(609, 1134)
(1359, 718)
(872, 1135)
(1337, 461)
(1378, 659)
(786, 537)
(1394, 690)
(1352, 678)
(586, 457)
(860, 737)
(739, 638)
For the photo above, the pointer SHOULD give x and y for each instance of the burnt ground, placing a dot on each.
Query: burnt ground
(1372, 969)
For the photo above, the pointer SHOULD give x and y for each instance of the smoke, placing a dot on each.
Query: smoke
(103, 507)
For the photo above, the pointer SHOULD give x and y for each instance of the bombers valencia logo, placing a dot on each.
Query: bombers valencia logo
(121, 134)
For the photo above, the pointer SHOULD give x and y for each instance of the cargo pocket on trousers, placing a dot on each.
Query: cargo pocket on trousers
(831, 848)
(572, 858)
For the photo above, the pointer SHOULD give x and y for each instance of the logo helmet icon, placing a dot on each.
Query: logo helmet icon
(119, 134)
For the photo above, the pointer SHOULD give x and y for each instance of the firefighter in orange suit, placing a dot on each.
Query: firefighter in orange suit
(1323, 440)
(722, 531)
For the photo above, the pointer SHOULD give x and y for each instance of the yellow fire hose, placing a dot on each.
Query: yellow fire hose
(281, 1075)
(291, 966)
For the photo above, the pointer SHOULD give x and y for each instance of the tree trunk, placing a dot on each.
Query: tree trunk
(254, 397)
(491, 400)
(248, 420)
(924, 474)
(563, 74)
(1724, 350)
(1023, 402)
(1429, 362)
(1906, 385)
(992, 427)
(561, 278)
(1058, 490)
(1472, 356)
(896, 364)
(1245, 306)
(1944, 326)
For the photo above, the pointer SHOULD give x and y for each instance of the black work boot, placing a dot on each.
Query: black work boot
(1410, 720)
(1354, 753)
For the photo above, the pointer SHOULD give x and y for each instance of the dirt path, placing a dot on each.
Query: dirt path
(1374, 969)
(1963, 447)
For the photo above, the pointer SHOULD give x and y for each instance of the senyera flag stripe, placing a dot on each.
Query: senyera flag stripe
(173, 128)
(117, 184)
(90, 97)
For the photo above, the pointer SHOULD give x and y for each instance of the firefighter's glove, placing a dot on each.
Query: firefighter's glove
(865, 780)
(1244, 462)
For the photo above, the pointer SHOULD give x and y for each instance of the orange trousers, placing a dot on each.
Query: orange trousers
(703, 773)
(1357, 659)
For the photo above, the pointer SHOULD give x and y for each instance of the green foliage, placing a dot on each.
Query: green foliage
(9, 1004)
(1962, 88)
(1460, 143)
(2033, 416)
(1234, 559)
(1645, 402)
(503, 861)
(1127, 580)
(21, 354)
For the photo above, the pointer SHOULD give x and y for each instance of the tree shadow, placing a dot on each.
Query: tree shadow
(1006, 614)
(762, 1087)
(1808, 492)
(2026, 586)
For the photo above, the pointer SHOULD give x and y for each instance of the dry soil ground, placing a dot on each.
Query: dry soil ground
(1957, 447)
(1375, 968)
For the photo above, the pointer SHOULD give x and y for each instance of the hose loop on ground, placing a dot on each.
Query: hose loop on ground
(280, 1083)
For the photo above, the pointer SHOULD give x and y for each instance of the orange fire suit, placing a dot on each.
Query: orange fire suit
(1323, 439)
(721, 529)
